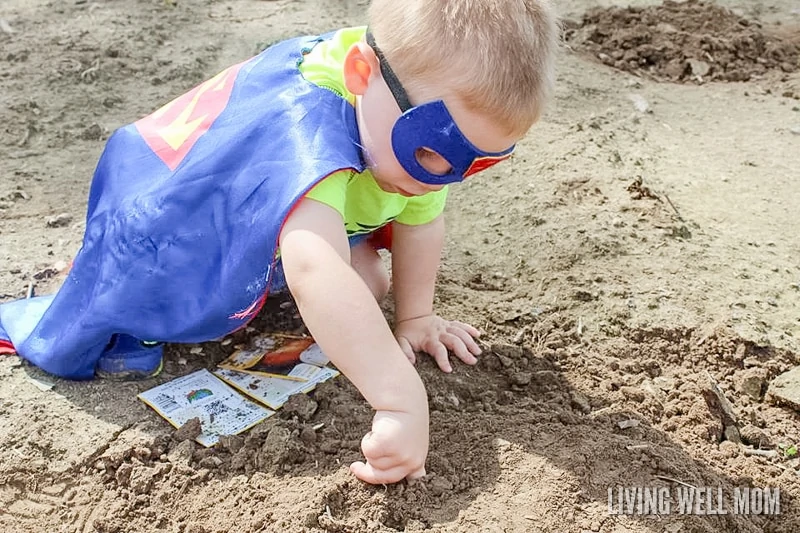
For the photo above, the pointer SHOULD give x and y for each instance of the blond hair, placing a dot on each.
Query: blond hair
(496, 55)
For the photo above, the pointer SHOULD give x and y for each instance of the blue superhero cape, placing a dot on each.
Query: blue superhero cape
(184, 214)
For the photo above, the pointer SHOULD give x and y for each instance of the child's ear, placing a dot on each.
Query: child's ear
(359, 64)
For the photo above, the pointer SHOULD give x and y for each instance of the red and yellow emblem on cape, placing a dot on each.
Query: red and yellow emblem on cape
(172, 130)
(482, 163)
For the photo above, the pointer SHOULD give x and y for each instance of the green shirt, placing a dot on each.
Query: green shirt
(364, 206)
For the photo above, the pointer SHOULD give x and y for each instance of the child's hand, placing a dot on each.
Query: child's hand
(435, 336)
(395, 449)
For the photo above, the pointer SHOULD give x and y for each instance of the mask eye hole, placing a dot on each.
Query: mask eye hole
(433, 161)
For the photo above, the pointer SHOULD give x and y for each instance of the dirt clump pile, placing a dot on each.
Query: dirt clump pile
(684, 42)
(635, 404)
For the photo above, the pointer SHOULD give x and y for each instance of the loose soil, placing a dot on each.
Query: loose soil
(642, 243)
(683, 41)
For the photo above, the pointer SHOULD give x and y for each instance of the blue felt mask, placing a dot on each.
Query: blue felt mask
(431, 127)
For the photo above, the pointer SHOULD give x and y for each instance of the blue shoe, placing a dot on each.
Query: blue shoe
(128, 359)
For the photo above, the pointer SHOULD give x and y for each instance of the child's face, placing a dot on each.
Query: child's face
(378, 111)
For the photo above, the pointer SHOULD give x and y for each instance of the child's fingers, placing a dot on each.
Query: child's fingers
(467, 339)
(373, 449)
(466, 327)
(368, 473)
(418, 474)
(384, 463)
(439, 354)
(457, 346)
(381, 453)
(407, 349)
(380, 458)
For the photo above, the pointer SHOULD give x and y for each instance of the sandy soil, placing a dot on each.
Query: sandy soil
(641, 243)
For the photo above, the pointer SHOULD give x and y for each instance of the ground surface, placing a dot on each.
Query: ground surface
(645, 233)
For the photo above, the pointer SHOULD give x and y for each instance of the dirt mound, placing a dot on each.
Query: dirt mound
(685, 41)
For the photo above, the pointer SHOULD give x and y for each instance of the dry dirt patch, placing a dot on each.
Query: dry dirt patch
(558, 412)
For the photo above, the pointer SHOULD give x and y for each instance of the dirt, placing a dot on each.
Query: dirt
(686, 41)
(641, 244)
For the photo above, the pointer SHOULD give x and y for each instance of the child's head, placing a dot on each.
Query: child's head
(489, 61)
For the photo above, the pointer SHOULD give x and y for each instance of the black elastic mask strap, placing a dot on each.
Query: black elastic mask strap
(399, 93)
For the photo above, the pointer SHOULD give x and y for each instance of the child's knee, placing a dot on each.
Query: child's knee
(380, 283)
(367, 262)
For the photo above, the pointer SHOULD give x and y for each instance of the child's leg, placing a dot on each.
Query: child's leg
(367, 262)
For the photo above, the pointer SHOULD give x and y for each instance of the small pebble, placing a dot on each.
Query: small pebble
(626, 424)
(440, 485)
(59, 221)
(639, 102)
(521, 378)
(190, 430)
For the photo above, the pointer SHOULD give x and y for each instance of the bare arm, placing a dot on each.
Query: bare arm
(346, 321)
(416, 252)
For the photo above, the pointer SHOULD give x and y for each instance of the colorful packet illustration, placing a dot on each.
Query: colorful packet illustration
(221, 410)
(280, 356)
(274, 392)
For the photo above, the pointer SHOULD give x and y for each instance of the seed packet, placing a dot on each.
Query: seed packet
(221, 410)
